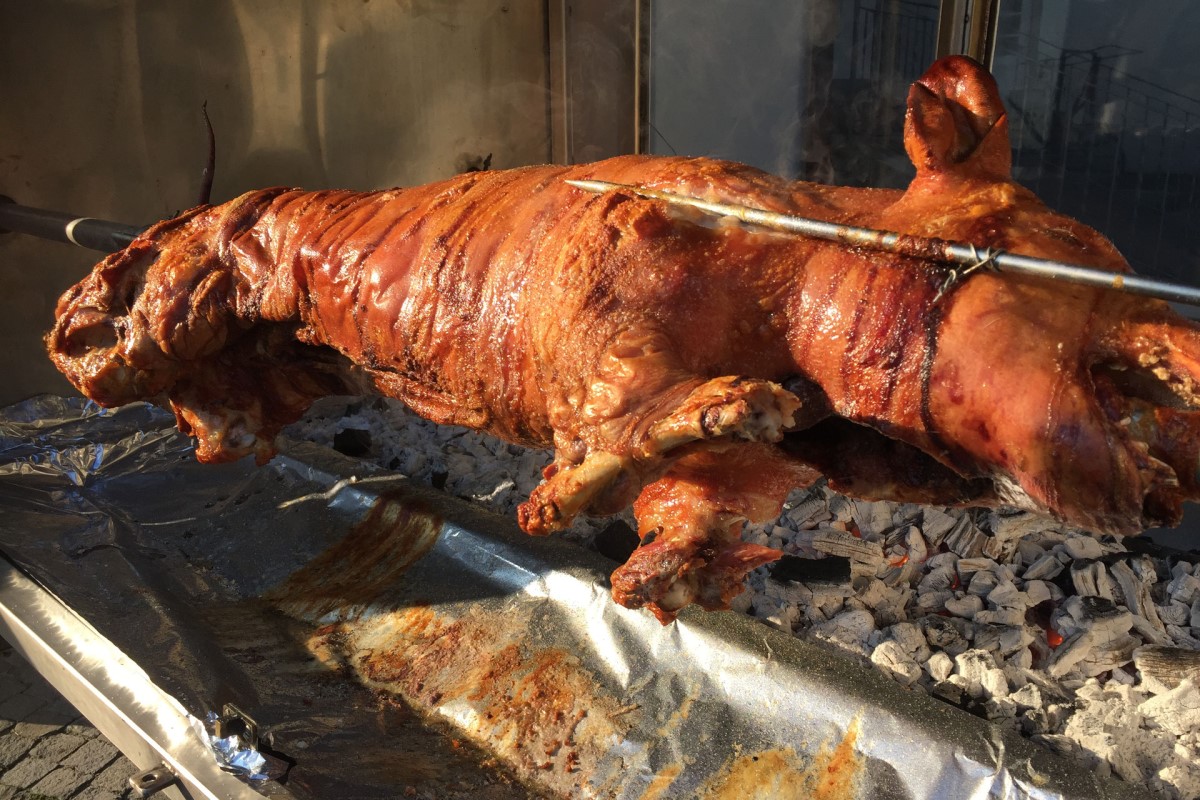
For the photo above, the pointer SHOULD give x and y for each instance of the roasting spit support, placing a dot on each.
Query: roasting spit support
(959, 253)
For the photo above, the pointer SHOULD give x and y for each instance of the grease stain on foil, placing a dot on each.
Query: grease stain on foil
(364, 565)
(832, 774)
(538, 709)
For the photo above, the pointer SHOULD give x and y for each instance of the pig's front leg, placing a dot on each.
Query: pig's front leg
(645, 413)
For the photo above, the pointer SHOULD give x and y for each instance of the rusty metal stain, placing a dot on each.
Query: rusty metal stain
(832, 774)
(364, 564)
(537, 709)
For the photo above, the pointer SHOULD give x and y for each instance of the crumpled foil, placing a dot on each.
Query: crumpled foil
(231, 752)
(387, 637)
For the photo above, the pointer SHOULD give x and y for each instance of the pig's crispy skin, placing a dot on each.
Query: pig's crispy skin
(689, 363)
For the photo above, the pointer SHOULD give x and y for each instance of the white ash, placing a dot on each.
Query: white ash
(1019, 619)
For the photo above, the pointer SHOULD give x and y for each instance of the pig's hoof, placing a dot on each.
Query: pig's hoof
(568, 491)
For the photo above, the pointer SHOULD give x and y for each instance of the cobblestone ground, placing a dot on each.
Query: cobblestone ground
(47, 750)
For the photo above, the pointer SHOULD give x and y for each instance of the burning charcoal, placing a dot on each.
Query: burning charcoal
(891, 656)
(872, 518)
(1022, 658)
(1044, 568)
(1174, 613)
(1057, 743)
(944, 633)
(784, 618)
(1144, 567)
(967, 606)
(1137, 594)
(1000, 551)
(871, 591)
(901, 565)
(1119, 675)
(1007, 595)
(1183, 637)
(939, 666)
(965, 539)
(838, 543)
(1010, 524)
(1177, 710)
(1150, 633)
(1029, 551)
(1185, 588)
(808, 508)
(833, 570)
(1096, 614)
(1164, 668)
(950, 692)
(1070, 653)
(1106, 656)
(934, 601)
(983, 582)
(999, 708)
(938, 579)
(969, 566)
(1037, 591)
(910, 637)
(935, 524)
(1029, 697)
(979, 669)
(1000, 616)
(1091, 578)
(849, 629)
(841, 508)
(941, 560)
(1082, 548)
(987, 636)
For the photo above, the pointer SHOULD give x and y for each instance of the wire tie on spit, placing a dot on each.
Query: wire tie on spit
(985, 261)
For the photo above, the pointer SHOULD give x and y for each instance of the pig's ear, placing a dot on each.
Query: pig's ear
(956, 122)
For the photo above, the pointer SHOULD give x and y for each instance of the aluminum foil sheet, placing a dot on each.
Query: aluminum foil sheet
(391, 640)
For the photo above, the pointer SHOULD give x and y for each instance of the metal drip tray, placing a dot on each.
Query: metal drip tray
(389, 639)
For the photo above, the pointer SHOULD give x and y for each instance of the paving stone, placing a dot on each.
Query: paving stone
(111, 783)
(81, 727)
(92, 756)
(57, 747)
(13, 748)
(22, 706)
(13, 684)
(27, 772)
(62, 782)
(59, 710)
(32, 729)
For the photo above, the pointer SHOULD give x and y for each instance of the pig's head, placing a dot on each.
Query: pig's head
(1073, 401)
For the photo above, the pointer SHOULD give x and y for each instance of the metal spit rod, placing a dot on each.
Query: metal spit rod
(108, 237)
(94, 234)
(966, 255)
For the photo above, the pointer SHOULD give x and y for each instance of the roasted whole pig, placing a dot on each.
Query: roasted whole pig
(692, 366)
